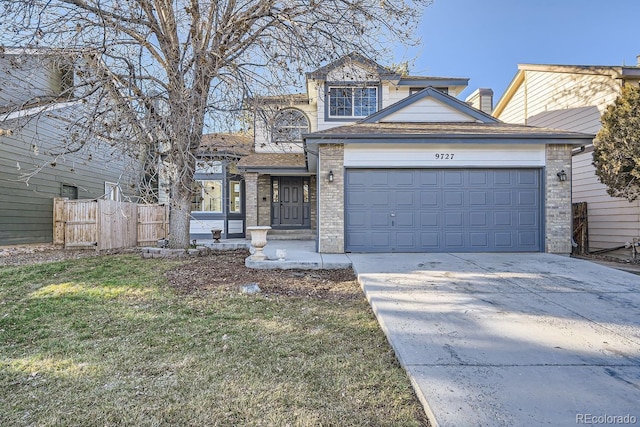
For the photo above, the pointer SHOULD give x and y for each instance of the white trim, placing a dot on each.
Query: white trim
(443, 155)
(37, 110)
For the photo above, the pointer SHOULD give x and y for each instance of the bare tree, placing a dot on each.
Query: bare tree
(161, 72)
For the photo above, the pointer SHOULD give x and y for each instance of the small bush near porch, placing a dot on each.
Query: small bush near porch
(118, 340)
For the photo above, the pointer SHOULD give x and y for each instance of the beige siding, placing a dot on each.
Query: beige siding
(515, 111)
(428, 110)
(549, 91)
(612, 221)
(580, 119)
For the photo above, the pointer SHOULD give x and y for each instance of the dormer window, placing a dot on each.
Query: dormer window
(346, 102)
(289, 125)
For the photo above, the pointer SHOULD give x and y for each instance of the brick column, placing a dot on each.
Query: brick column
(251, 198)
(331, 199)
(558, 220)
(264, 200)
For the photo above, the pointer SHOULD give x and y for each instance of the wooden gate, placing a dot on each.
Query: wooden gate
(153, 224)
(580, 228)
(107, 224)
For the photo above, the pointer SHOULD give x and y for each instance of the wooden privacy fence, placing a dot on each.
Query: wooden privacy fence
(580, 228)
(107, 224)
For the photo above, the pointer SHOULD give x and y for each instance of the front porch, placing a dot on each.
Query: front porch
(300, 254)
(280, 193)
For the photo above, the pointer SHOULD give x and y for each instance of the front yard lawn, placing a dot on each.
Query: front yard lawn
(120, 340)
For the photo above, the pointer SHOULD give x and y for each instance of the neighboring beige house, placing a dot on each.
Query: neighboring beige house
(573, 98)
(368, 160)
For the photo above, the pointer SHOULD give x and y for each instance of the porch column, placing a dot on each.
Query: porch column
(558, 220)
(251, 191)
(331, 199)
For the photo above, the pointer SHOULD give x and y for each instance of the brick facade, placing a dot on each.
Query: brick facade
(264, 200)
(558, 226)
(331, 199)
(251, 194)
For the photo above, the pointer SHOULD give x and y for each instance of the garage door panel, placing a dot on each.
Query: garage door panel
(357, 199)
(527, 219)
(404, 179)
(429, 199)
(477, 198)
(356, 220)
(502, 219)
(504, 240)
(527, 198)
(405, 220)
(428, 178)
(378, 179)
(453, 178)
(454, 219)
(379, 198)
(478, 178)
(478, 219)
(479, 240)
(405, 199)
(380, 219)
(429, 219)
(454, 199)
(453, 241)
(430, 240)
(502, 198)
(406, 240)
(455, 210)
(527, 177)
(380, 239)
(502, 178)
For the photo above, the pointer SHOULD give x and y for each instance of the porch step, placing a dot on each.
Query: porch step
(291, 235)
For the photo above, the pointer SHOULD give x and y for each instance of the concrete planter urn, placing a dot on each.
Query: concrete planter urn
(258, 241)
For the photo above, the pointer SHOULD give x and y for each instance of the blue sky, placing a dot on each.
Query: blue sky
(485, 40)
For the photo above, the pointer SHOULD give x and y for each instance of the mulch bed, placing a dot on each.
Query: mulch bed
(225, 270)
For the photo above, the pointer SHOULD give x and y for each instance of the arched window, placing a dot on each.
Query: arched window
(289, 125)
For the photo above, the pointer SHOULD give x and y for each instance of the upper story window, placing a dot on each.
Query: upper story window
(289, 126)
(352, 101)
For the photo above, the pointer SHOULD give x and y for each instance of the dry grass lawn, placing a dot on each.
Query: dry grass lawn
(118, 340)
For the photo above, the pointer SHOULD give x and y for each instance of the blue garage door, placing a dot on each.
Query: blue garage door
(443, 210)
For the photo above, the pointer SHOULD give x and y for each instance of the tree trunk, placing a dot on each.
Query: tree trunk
(179, 218)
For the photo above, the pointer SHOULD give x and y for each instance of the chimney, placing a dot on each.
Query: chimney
(482, 99)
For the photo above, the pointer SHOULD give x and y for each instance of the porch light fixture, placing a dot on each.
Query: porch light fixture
(562, 175)
(330, 177)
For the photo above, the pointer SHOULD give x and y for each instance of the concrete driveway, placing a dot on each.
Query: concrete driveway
(511, 339)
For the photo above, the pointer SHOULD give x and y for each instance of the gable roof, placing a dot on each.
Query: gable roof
(357, 58)
(430, 92)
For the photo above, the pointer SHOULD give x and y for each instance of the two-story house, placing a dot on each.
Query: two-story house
(573, 97)
(38, 108)
(371, 160)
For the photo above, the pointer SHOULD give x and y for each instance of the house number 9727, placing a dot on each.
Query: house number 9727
(444, 156)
